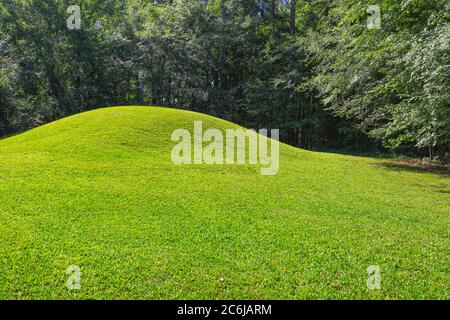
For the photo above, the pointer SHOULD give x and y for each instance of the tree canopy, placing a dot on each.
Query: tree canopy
(316, 69)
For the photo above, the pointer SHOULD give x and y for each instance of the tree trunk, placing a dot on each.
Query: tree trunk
(223, 49)
(273, 5)
(293, 21)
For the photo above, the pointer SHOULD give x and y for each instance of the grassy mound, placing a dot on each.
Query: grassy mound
(99, 190)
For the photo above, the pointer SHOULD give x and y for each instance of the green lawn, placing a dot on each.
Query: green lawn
(99, 190)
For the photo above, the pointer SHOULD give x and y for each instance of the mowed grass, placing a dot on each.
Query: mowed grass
(99, 190)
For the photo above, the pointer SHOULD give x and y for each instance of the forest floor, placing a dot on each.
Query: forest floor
(99, 191)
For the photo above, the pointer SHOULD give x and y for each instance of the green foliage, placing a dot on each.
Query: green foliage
(311, 68)
(395, 80)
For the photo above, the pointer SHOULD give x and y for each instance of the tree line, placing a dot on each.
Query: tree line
(312, 68)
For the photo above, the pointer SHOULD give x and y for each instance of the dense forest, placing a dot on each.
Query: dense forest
(330, 74)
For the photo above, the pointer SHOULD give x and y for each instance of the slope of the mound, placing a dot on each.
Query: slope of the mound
(99, 190)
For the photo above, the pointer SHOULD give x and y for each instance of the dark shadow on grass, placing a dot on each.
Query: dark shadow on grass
(417, 166)
(379, 154)
(11, 135)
